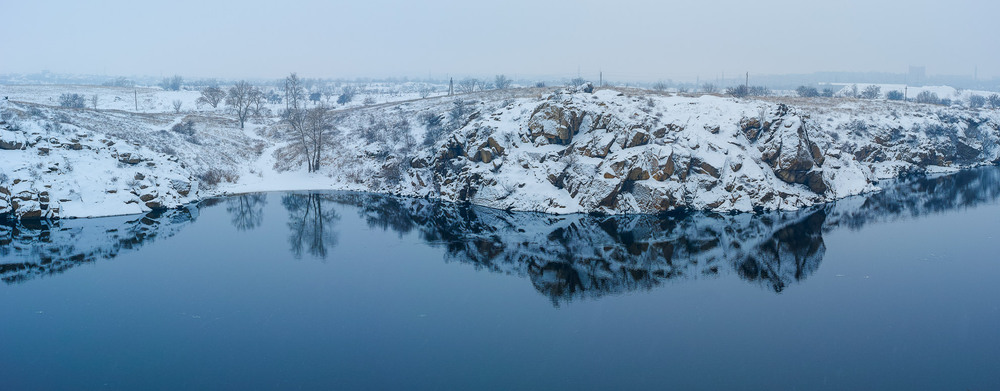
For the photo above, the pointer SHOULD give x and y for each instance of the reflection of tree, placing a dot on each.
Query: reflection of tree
(310, 223)
(246, 210)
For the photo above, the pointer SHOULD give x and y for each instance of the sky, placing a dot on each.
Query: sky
(624, 39)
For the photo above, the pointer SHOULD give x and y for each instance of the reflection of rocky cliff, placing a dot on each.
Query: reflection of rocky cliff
(919, 196)
(40, 248)
(573, 256)
(565, 257)
(580, 256)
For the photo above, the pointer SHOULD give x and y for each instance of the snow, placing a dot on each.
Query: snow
(699, 129)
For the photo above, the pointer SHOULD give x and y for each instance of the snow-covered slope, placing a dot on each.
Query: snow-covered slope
(550, 150)
(614, 151)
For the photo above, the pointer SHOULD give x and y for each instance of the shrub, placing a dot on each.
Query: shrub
(807, 92)
(435, 127)
(35, 112)
(928, 97)
(856, 126)
(215, 176)
(347, 95)
(827, 93)
(994, 100)
(739, 91)
(871, 92)
(185, 127)
(759, 91)
(72, 100)
(976, 101)
(392, 173)
(894, 95)
(172, 83)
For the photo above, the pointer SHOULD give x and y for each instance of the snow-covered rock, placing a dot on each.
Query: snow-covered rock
(621, 151)
(62, 170)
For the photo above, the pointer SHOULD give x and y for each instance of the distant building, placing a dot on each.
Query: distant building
(916, 75)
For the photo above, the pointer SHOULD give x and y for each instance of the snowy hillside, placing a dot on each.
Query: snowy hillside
(616, 152)
(544, 149)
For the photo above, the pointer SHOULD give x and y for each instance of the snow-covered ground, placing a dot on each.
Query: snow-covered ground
(543, 149)
(942, 92)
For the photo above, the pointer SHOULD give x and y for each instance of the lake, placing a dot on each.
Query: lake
(326, 290)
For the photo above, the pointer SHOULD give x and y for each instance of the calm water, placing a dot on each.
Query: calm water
(348, 291)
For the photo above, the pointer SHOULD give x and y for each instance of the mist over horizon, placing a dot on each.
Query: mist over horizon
(633, 41)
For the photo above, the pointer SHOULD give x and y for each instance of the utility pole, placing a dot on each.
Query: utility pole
(451, 86)
(136, 95)
(748, 81)
(601, 73)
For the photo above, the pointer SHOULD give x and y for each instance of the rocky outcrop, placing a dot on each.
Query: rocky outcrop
(63, 172)
(591, 152)
(785, 146)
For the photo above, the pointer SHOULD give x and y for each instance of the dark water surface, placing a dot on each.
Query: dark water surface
(898, 290)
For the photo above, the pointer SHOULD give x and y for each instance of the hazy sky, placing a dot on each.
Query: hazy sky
(628, 40)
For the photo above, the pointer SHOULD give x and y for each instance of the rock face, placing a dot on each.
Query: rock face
(39, 181)
(591, 152)
(611, 151)
(785, 146)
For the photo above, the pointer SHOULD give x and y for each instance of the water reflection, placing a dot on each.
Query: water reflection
(246, 210)
(564, 257)
(310, 223)
(580, 256)
(41, 248)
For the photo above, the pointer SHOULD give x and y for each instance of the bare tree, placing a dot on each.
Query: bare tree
(501, 82)
(850, 92)
(660, 86)
(468, 85)
(709, 88)
(258, 101)
(239, 100)
(246, 211)
(93, 101)
(72, 100)
(311, 130)
(347, 95)
(994, 100)
(871, 92)
(807, 92)
(425, 92)
(928, 97)
(976, 101)
(212, 95)
(177, 105)
(172, 83)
